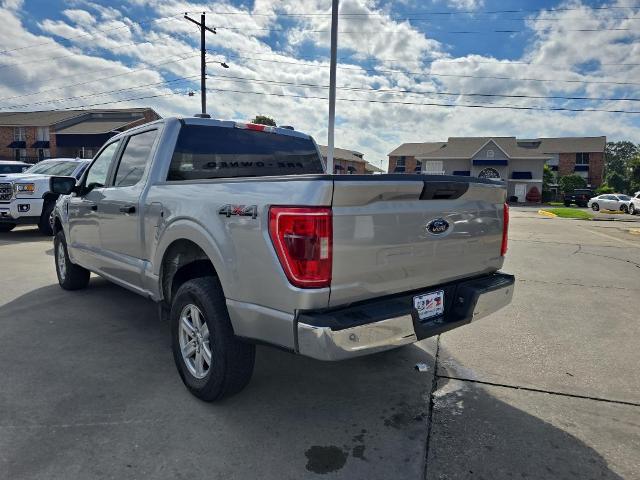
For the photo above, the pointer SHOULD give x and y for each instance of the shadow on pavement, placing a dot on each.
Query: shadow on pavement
(23, 235)
(89, 390)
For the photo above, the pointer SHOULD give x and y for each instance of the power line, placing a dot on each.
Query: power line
(418, 92)
(429, 74)
(97, 79)
(424, 12)
(97, 94)
(90, 34)
(452, 32)
(79, 54)
(433, 104)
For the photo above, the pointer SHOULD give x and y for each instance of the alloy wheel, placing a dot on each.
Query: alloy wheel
(194, 341)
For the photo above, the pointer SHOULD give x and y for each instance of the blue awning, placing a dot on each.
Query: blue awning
(491, 162)
(40, 144)
(462, 173)
(17, 144)
(582, 168)
(521, 175)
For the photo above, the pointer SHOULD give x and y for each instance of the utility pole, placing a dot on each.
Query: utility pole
(332, 83)
(203, 51)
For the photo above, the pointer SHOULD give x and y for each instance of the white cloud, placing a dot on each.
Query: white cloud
(466, 4)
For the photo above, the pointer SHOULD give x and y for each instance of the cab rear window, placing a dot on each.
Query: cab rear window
(207, 152)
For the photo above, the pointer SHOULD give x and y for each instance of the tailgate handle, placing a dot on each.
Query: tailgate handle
(443, 190)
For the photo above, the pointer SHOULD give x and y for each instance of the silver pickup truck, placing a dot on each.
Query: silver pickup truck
(242, 238)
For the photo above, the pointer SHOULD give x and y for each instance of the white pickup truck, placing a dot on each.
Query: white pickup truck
(25, 198)
(242, 238)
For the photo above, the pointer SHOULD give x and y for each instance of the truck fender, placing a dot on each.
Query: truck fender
(183, 229)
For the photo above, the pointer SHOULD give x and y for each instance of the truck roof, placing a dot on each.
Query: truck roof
(212, 122)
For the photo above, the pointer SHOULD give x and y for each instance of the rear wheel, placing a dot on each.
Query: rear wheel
(632, 209)
(70, 275)
(212, 362)
(7, 227)
(595, 207)
(44, 224)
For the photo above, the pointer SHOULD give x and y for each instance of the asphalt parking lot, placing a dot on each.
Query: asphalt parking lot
(546, 388)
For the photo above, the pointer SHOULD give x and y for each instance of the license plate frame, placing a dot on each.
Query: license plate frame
(429, 305)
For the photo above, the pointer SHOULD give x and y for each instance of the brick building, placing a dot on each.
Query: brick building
(519, 162)
(34, 136)
(346, 161)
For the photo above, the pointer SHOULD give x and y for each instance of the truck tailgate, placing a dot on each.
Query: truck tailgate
(384, 243)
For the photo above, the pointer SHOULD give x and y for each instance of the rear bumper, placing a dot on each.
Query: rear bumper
(382, 324)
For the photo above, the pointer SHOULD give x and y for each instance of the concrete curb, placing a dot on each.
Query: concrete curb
(546, 214)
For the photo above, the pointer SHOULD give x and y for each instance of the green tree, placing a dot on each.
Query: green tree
(264, 120)
(604, 188)
(618, 182)
(548, 179)
(634, 175)
(568, 183)
(618, 155)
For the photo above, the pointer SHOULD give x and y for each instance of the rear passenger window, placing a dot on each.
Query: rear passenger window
(134, 159)
(204, 152)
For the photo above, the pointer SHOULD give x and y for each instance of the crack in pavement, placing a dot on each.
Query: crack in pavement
(612, 258)
(540, 390)
(564, 243)
(546, 282)
(434, 386)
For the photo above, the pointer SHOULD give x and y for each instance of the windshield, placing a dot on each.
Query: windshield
(12, 168)
(54, 168)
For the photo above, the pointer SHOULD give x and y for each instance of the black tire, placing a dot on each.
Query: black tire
(624, 208)
(595, 207)
(7, 227)
(232, 359)
(74, 277)
(632, 209)
(44, 224)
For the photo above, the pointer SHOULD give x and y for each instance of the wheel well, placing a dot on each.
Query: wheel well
(183, 260)
(57, 225)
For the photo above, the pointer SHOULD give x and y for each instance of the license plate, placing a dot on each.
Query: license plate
(429, 304)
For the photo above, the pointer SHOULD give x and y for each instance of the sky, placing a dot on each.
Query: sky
(408, 70)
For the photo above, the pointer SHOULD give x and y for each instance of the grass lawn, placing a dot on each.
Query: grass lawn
(567, 212)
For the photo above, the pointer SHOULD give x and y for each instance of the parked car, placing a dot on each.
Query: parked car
(238, 233)
(25, 198)
(610, 201)
(579, 196)
(10, 166)
(634, 204)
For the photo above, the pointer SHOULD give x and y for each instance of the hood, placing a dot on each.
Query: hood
(22, 177)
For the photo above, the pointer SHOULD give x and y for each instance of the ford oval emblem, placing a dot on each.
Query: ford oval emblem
(437, 226)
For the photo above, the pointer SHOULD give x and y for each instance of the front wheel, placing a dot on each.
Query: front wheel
(70, 275)
(624, 209)
(595, 207)
(7, 227)
(212, 362)
(44, 224)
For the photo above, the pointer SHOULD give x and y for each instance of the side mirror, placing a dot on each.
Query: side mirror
(62, 185)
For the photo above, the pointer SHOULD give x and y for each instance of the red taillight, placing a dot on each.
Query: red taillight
(505, 230)
(303, 239)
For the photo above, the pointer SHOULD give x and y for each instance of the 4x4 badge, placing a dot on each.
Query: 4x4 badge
(240, 210)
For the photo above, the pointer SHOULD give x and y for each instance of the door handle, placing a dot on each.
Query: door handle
(128, 209)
